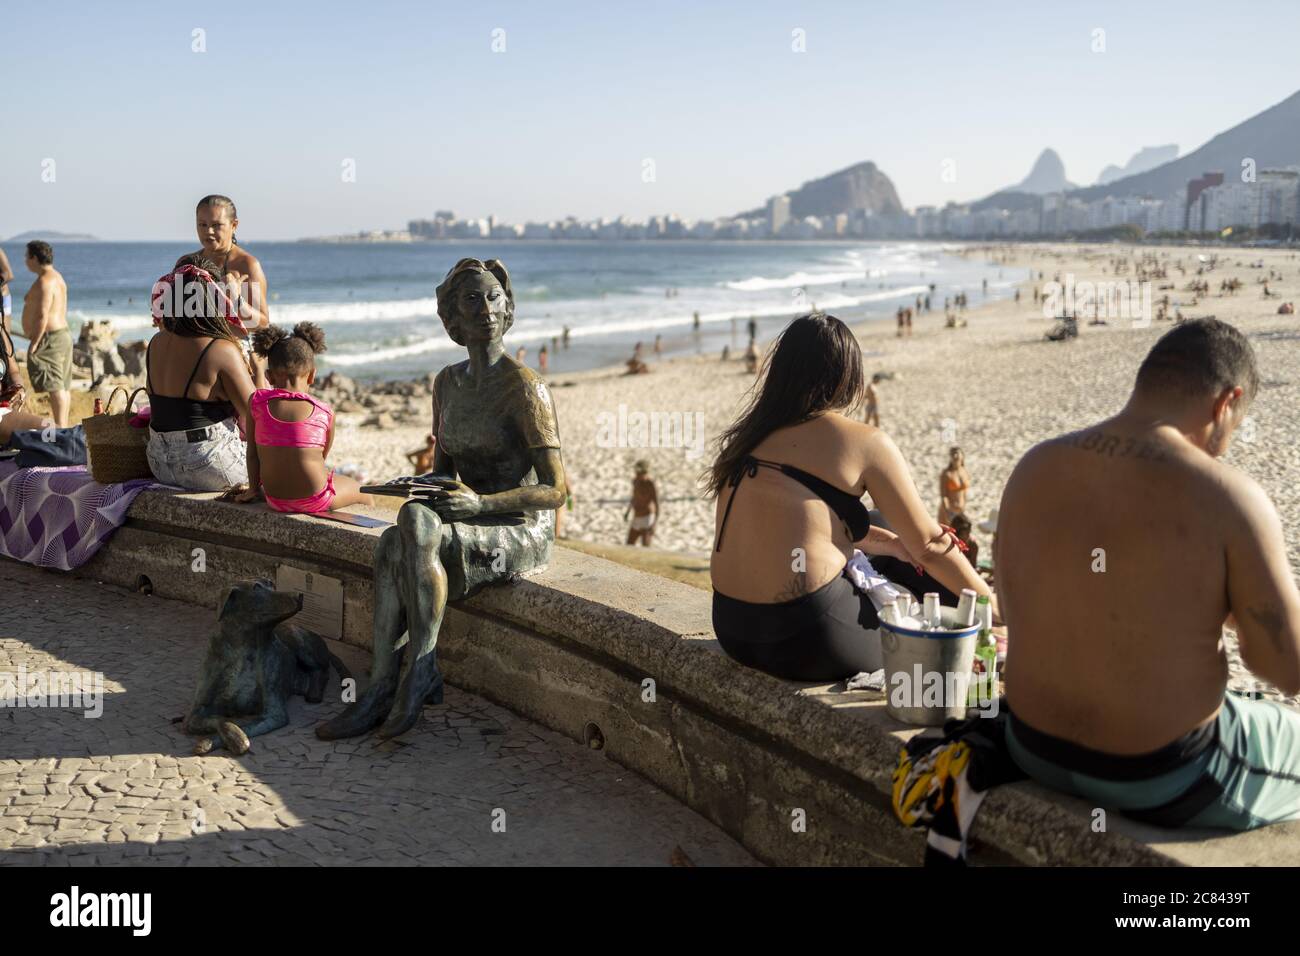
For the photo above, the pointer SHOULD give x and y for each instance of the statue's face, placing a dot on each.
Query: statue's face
(483, 308)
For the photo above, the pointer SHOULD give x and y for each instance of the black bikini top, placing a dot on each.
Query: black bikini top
(171, 413)
(848, 506)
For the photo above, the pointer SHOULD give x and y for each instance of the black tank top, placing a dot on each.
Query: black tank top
(848, 506)
(169, 414)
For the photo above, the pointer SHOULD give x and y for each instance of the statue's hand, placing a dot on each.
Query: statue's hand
(452, 500)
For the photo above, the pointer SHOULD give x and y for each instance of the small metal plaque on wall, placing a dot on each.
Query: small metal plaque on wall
(322, 600)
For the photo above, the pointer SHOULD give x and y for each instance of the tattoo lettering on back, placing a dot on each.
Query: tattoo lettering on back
(1113, 446)
(797, 588)
(1270, 622)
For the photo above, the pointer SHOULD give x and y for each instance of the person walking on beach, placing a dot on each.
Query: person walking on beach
(954, 482)
(644, 506)
(45, 325)
(543, 359)
(872, 416)
(1116, 605)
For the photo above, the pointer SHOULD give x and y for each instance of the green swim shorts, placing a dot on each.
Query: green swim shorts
(1239, 771)
(50, 365)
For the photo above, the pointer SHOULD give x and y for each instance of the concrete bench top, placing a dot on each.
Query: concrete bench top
(633, 627)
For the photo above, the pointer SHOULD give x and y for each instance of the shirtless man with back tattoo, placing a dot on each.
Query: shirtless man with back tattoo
(1115, 598)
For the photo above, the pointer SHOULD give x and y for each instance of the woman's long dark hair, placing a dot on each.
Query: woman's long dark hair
(815, 367)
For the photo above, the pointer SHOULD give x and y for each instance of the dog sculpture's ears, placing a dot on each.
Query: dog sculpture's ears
(227, 602)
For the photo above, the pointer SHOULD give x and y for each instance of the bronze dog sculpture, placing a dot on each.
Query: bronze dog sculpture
(254, 663)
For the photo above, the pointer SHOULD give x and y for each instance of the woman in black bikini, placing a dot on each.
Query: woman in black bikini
(198, 383)
(789, 479)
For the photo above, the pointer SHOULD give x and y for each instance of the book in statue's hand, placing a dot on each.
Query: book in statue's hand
(411, 486)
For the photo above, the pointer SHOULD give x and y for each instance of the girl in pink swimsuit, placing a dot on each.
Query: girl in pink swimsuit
(290, 432)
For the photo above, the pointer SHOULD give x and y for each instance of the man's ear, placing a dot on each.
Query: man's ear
(1228, 402)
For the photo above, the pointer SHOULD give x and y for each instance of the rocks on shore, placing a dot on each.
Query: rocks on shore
(98, 351)
(385, 404)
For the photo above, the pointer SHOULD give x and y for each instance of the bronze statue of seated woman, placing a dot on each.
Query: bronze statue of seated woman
(485, 514)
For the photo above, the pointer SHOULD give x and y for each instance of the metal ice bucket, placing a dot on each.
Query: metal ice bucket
(928, 673)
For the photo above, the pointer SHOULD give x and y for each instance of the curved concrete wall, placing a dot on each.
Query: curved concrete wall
(573, 647)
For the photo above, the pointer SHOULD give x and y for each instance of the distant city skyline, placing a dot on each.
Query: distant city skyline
(331, 118)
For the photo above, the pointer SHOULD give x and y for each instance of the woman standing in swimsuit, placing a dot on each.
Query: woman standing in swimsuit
(789, 479)
(216, 220)
(954, 482)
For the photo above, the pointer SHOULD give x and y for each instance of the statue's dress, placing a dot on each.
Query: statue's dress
(489, 433)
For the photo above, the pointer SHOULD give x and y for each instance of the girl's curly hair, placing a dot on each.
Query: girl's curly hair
(292, 352)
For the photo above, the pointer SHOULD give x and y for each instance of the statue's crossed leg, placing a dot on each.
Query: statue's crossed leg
(410, 594)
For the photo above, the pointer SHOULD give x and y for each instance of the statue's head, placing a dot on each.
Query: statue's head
(475, 301)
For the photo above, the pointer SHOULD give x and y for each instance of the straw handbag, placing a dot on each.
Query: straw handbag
(116, 450)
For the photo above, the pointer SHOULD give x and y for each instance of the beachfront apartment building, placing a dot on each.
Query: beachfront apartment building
(778, 214)
(1272, 198)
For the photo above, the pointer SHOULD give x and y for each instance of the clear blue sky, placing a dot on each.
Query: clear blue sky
(139, 126)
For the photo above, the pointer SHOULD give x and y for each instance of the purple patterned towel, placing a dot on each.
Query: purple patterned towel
(59, 517)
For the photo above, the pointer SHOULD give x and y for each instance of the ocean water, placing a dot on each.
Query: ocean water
(376, 301)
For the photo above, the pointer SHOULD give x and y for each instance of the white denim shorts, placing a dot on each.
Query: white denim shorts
(201, 459)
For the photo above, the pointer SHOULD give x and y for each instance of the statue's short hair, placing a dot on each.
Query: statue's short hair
(446, 293)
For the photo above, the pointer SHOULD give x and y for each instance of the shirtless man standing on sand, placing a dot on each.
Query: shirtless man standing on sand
(45, 325)
(644, 497)
(1115, 604)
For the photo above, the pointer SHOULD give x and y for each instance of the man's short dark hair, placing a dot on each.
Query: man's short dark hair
(1199, 358)
(41, 251)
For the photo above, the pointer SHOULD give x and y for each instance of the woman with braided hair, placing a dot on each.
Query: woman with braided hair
(199, 383)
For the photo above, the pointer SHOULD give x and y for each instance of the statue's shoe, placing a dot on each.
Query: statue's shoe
(233, 736)
(418, 684)
(360, 717)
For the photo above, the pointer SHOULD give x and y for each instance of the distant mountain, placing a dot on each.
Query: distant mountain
(51, 236)
(861, 186)
(1270, 138)
(1148, 157)
(1047, 176)
(1008, 199)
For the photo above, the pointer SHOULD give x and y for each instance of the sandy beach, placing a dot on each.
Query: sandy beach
(995, 388)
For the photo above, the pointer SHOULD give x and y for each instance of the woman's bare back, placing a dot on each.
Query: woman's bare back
(782, 541)
(173, 357)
